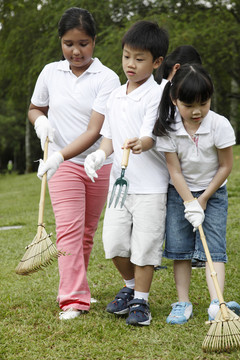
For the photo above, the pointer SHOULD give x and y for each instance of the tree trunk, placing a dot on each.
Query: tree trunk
(28, 166)
(235, 110)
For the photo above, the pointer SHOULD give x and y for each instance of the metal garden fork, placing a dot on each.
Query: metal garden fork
(122, 182)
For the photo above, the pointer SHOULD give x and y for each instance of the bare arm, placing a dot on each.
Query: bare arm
(106, 146)
(177, 177)
(225, 158)
(86, 139)
(139, 145)
(34, 112)
(193, 211)
(82, 142)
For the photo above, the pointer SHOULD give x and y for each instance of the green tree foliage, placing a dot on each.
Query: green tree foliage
(214, 31)
(29, 40)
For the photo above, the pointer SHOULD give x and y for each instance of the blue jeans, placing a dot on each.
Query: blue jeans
(184, 244)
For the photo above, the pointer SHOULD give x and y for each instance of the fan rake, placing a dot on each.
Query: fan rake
(41, 252)
(224, 332)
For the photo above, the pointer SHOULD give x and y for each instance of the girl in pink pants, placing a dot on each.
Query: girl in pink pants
(68, 107)
(77, 204)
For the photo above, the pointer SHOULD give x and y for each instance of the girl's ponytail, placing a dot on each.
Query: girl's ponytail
(166, 111)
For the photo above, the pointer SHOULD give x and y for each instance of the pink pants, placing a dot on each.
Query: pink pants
(77, 204)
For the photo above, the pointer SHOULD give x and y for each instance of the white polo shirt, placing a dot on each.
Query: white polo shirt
(71, 100)
(198, 156)
(134, 115)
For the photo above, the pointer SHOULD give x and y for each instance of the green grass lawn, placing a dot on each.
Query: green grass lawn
(29, 323)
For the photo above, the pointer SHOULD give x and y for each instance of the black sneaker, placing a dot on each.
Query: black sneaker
(139, 313)
(198, 264)
(159, 267)
(119, 305)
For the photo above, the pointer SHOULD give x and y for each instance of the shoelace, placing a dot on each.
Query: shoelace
(215, 302)
(177, 309)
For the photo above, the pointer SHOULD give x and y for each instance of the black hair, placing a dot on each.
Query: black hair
(185, 54)
(77, 18)
(190, 83)
(147, 35)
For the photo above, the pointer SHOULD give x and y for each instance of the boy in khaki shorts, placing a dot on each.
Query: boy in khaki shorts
(133, 235)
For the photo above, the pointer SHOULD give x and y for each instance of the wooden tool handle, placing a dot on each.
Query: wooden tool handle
(213, 274)
(125, 157)
(43, 190)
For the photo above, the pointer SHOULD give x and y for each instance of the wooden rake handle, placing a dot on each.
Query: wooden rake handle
(43, 192)
(125, 157)
(213, 274)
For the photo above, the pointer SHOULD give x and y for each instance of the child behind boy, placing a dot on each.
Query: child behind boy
(198, 147)
(184, 54)
(133, 235)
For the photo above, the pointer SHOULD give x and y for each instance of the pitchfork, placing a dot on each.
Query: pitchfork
(121, 181)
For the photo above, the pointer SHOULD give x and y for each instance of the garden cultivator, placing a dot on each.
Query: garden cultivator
(121, 182)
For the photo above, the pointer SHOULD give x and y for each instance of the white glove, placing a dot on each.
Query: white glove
(93, 162)
(43, 130)
(50, 166)
(194, 213)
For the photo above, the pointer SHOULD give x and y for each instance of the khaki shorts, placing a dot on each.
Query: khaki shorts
(136, 230)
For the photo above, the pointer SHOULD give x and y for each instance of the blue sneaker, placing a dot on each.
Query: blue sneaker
(139, 313)
(234, 306)
(119, 305)
(214, 308)
(181, 312)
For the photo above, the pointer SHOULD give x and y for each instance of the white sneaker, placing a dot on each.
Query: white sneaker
(69, 314)
(213, 309)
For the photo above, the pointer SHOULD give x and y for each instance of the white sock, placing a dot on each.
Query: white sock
(141, 295)
(130, 283)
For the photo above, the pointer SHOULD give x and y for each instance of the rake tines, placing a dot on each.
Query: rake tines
(224, 332)
(41, 251)
(223, 335)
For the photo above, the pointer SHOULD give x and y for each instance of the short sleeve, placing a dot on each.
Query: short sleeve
(110, 82)
(224, 135)
(106, 129)
(166, 144)
(150, 115)
(40, 95)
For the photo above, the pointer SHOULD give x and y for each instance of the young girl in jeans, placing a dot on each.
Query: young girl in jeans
(184, 54)
(70, 97)
(198, 146)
